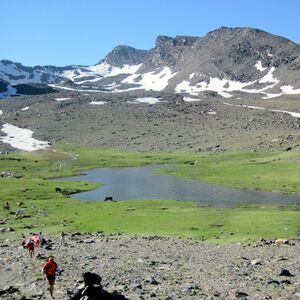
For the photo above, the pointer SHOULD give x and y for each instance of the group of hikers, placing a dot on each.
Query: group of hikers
(92, 289)
(50, 268)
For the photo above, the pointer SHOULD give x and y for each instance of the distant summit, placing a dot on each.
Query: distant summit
(125, 55)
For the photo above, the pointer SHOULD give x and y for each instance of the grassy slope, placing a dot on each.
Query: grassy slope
(50, 211)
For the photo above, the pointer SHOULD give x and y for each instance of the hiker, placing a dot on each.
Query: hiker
(29, 245)
(6, 208)
(36, 239)
(41, 239)
(62, 237)
(50, 268)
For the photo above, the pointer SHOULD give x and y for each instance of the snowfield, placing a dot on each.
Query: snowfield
(61, 99)
(148, 100)
(155, 81)
(21, 138)
(293, 114)
(224, 86)
(97, 102)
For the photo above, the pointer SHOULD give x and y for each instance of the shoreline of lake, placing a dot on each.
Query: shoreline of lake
(129, 183)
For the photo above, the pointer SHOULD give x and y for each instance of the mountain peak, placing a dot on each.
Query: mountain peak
(125, 55)
(166, 41)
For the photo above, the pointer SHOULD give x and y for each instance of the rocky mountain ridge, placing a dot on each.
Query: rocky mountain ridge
(225, 61)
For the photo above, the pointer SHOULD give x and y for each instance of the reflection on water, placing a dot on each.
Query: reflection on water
(143, 183)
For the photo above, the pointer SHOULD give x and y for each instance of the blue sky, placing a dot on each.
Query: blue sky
(64, 32)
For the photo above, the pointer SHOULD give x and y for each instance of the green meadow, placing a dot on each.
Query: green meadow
(50, 211)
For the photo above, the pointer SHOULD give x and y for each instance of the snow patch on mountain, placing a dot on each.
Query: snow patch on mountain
(270, 96)
(189, 99)
(293, 114)
(21, 138)
(99, 71)
(259, 66)
(72, 89)
(215, 84)
(269, 78)
(61, 99)
(224, 86)
(97, 102)
(25, 108)
(148, 100)
(1, 112)
(288, 89)
(154, 80)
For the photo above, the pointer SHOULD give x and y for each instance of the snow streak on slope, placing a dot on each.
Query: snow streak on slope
(21, 138)
(214, 84)
(288, 89)
(82, 75)
(259, 66)
(97, 102)
(224, 86)
(154, 80)
(293, 114)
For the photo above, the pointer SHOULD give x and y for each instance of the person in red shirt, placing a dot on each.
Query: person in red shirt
(29, 246)
(50, 268)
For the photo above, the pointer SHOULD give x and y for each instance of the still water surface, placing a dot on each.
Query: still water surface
(143, 183)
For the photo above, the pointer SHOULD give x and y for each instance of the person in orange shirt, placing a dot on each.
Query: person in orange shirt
(50, 268)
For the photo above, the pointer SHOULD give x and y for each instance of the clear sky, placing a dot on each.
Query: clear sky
(65, 32)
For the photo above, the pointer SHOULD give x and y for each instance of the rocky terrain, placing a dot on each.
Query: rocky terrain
(209, 124)
(156, 268)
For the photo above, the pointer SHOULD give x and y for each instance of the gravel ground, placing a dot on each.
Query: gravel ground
(156, 268)
(213, 124)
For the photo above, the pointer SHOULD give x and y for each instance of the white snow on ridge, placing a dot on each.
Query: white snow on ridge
(151, 80)
(259, 66)
(12, 74)
(189, 99)
(288, 89)
(97, 102)
(25, 108)
(148, 100)
(102, 70)
(215, 84)
(61, 99)
(269, 77)
(21, 138)
(1, 112)
(72, 89)
(293, 114)
(224, 86)
(242, 105)
(270, 96)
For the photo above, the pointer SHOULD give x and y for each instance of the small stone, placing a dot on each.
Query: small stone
(274, 282)
(281, 242)
(287, 282)
(287, 273)
(255, 262)
(239, 294)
